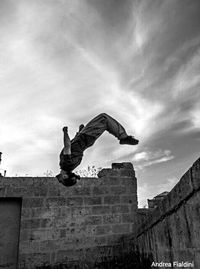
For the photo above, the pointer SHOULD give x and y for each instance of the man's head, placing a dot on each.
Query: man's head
(67, 178)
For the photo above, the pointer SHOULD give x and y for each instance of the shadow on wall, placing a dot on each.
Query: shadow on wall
(118, 260)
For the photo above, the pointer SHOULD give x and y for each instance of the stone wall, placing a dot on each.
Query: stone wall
(73, 225)
(171, 232)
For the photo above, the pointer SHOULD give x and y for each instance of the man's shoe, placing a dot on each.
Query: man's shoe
(129, 140)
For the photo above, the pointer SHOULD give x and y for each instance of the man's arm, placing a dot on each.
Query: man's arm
(67, 142)
(80, 128)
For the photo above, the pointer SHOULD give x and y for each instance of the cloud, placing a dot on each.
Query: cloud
(146, 191)
(143, 192)
(195, 116)
(188, 77)
(64, 62)
(167, 185)
(144, 159)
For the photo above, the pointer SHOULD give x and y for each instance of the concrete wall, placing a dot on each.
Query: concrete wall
(74, 225)
(172, 231)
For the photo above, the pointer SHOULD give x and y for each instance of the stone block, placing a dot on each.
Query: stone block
(114, 239)
(80, 190)
(90, 230)
(54, 191)
(181, 190)
(92, 200)
(29, 247)
(100, 210)
(93, 220)
(197, 258)
(32, 202)
(103, 229)
(118, 189)
(129, 182)
(111, 200)
(26, 213)
(112, 218)
(61, 222)
(32, 260)
(195, 174)
(44, 234)
(128, 218)
(156, 215)
(134, 207)
(52, 257)
(30, 223)
(62, 233)
(124, 165)
(121, 228)
(92, 255)
(19, 192)
(185, 185)
(165, 204)
(131, 189)
(24, 235)
(99, 182)
(120, 209)
(82, 211)
(99, 190)
(49, 245)
(127, 173)
(2, 191)
(47, 223)
(107, 172)
(129, 199)
(114, 181)
(41, 190)
(46, 212)
(74, 201)
(192, 216)
(100, 240)
(66, 191)
(68, 255)
(56, 201)
(196, 164)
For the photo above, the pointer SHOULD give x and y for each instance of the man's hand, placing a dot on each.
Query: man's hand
(65, 129)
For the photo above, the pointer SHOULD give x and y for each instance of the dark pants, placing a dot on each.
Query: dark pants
(95, 128)
(87, 137)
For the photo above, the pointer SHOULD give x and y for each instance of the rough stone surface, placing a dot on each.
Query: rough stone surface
(68, 225)
(171, 232)
(97, 221)
(122, 166)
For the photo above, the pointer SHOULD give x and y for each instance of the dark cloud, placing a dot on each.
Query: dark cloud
(173, 28)
(115, 13)
(178, 22)
(8, 11)
(180, 127)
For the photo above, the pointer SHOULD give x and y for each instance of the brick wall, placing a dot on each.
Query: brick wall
(73, 224)
(172, 231)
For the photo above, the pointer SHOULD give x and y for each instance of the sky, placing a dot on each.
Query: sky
(63, 62)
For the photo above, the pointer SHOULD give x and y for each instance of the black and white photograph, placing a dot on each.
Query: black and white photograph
(99, 134)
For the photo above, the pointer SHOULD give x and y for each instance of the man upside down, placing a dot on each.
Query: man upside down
(72, 153)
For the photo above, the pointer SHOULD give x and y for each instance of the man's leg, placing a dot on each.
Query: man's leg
(101, 123)
(104, 122)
